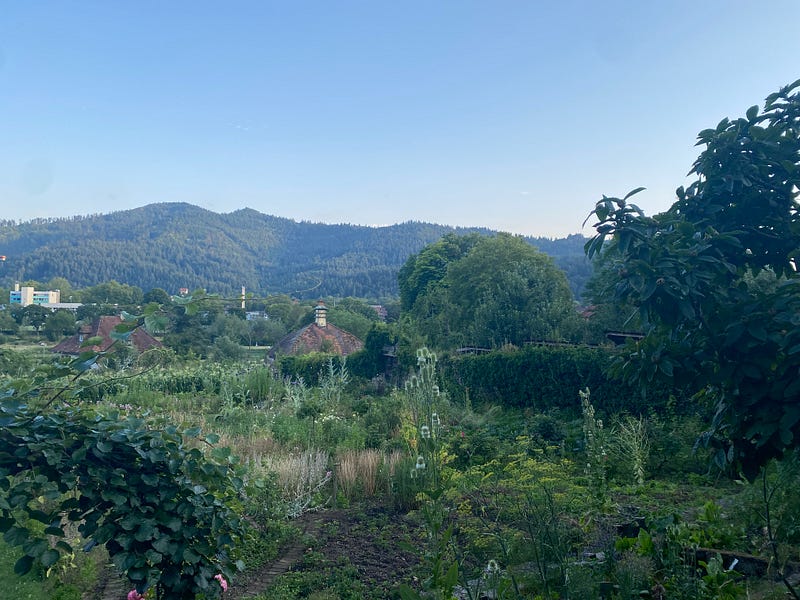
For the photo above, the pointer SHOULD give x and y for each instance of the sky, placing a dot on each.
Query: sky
(512, 115)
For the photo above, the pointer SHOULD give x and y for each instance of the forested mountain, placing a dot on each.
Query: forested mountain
(174, 245)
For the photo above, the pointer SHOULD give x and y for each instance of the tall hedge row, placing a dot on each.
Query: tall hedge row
(542, 377)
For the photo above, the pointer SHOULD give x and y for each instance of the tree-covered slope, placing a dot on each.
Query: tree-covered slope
(176, 245)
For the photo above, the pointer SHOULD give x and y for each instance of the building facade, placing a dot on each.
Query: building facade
(27, 295)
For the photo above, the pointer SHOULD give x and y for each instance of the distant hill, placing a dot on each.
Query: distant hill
(174, 245)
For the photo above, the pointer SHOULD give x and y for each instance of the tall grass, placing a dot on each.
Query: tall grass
(365, 472)
(301, 477)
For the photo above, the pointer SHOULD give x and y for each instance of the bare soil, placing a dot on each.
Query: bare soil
(366, 538)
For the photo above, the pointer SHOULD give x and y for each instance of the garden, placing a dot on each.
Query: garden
(349, 488)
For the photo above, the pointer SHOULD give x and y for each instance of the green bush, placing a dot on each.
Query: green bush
(542, 378)
(261, 386)
(162, 511)
(309, 367)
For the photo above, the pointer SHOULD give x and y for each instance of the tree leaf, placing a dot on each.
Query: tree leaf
(16, 536)
(49, 558)
(634, 192)
(23, 565)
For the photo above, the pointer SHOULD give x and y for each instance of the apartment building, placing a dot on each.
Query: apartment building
(27, 295)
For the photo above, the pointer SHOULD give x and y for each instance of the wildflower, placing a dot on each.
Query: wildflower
(420, 463)
(134, 595)
(435, 421)
(425, 431)
(223, 584)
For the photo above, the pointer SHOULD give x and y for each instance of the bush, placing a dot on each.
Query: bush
(542, 378)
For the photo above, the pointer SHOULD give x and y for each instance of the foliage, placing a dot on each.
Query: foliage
(112, 292)
(308, 367)
(371, 359)
(35, 316)
(630, 440)
(486, 292)
(521, 512)
(423, 272)
(161, 507)
(694, 272)
(162, 510)
(425, 402)
(542, 378)
(59, 324)
(595, 439)
(175, 245)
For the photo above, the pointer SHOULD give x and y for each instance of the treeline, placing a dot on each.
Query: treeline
(176, 245)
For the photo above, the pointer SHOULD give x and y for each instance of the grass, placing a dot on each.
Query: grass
(29, 587)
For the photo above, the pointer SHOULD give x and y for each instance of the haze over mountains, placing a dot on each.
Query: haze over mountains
(175, 245)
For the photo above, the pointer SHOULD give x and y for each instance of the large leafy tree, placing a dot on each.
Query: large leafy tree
(487, 291)
(715, 281)
(423, 272)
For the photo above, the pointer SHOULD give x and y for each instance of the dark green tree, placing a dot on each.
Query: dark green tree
(8, 324)
(487, 291)
(424, 271)
(715, 281)
(113, 292)
(157, 295)
(35, 316)
(59, 324)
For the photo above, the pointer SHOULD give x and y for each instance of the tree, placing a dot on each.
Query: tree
(61, 284)
(157, 295)
(7, 323)
(697, 274)
(506, 291)
(35, 315)
(487, 291)
(424, 271)
(59, 324)
(112, 292)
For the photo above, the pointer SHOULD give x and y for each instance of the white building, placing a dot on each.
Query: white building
(27, 295)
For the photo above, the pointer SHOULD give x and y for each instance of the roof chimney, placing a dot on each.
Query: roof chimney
(321, 314)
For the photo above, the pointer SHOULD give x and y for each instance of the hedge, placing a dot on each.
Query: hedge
(543, 377)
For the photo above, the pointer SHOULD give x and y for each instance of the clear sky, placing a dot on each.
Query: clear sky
(512, 115)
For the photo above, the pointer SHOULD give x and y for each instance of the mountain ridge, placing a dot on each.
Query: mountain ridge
(171, 245)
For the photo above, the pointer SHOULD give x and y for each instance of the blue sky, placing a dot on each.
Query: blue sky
(512, 115)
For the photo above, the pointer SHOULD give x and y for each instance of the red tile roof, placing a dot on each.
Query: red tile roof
(311, 338)
(102, 327)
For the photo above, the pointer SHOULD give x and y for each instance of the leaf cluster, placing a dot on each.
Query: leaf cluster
(162, 507)
(715, 281)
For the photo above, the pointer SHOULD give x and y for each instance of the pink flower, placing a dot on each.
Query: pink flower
(223, 584)
(134, 595)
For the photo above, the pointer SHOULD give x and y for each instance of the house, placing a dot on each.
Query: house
(319, 336)
(102, 327)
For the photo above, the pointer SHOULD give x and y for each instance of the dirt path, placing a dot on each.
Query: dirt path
(111, 587)
(254, 584)
(363, 538)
